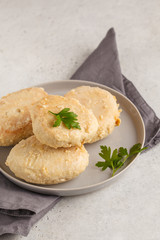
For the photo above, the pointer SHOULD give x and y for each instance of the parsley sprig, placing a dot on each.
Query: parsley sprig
(118, 157)
(68, 118)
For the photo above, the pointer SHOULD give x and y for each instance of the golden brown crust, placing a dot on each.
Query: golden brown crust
(37, 163)
(104, 106)
(42, 122)
(15, 120)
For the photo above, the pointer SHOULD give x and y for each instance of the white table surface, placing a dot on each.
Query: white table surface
(46, 40)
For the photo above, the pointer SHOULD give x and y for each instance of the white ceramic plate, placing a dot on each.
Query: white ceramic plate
(130, 131)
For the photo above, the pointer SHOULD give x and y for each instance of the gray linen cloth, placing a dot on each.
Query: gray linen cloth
(20, 209)
(103, 66)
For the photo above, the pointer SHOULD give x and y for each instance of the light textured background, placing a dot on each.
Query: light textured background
(46, 40)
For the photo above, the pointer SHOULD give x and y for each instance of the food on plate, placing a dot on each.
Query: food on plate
(61, 125)
(15, 120)
(37, 163)
(104, 106)
(43, 118)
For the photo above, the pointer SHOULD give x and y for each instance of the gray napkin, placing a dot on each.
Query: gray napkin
(19, 208)
(103, 66)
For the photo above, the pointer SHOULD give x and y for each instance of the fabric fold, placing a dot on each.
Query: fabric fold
(20, 209)
(103, 66)
(22, 225)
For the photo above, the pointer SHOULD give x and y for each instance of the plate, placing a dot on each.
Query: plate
(130, 131)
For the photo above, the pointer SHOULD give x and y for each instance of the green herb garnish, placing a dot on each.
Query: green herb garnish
(118, 158)
(68, 118)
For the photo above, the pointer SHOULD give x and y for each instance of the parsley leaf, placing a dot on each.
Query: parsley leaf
(118, 158)
(110, 161)
(136, 149)
(57, 122)
(122, 152)
(68, 118)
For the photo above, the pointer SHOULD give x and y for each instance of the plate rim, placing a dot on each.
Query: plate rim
(43, 187)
